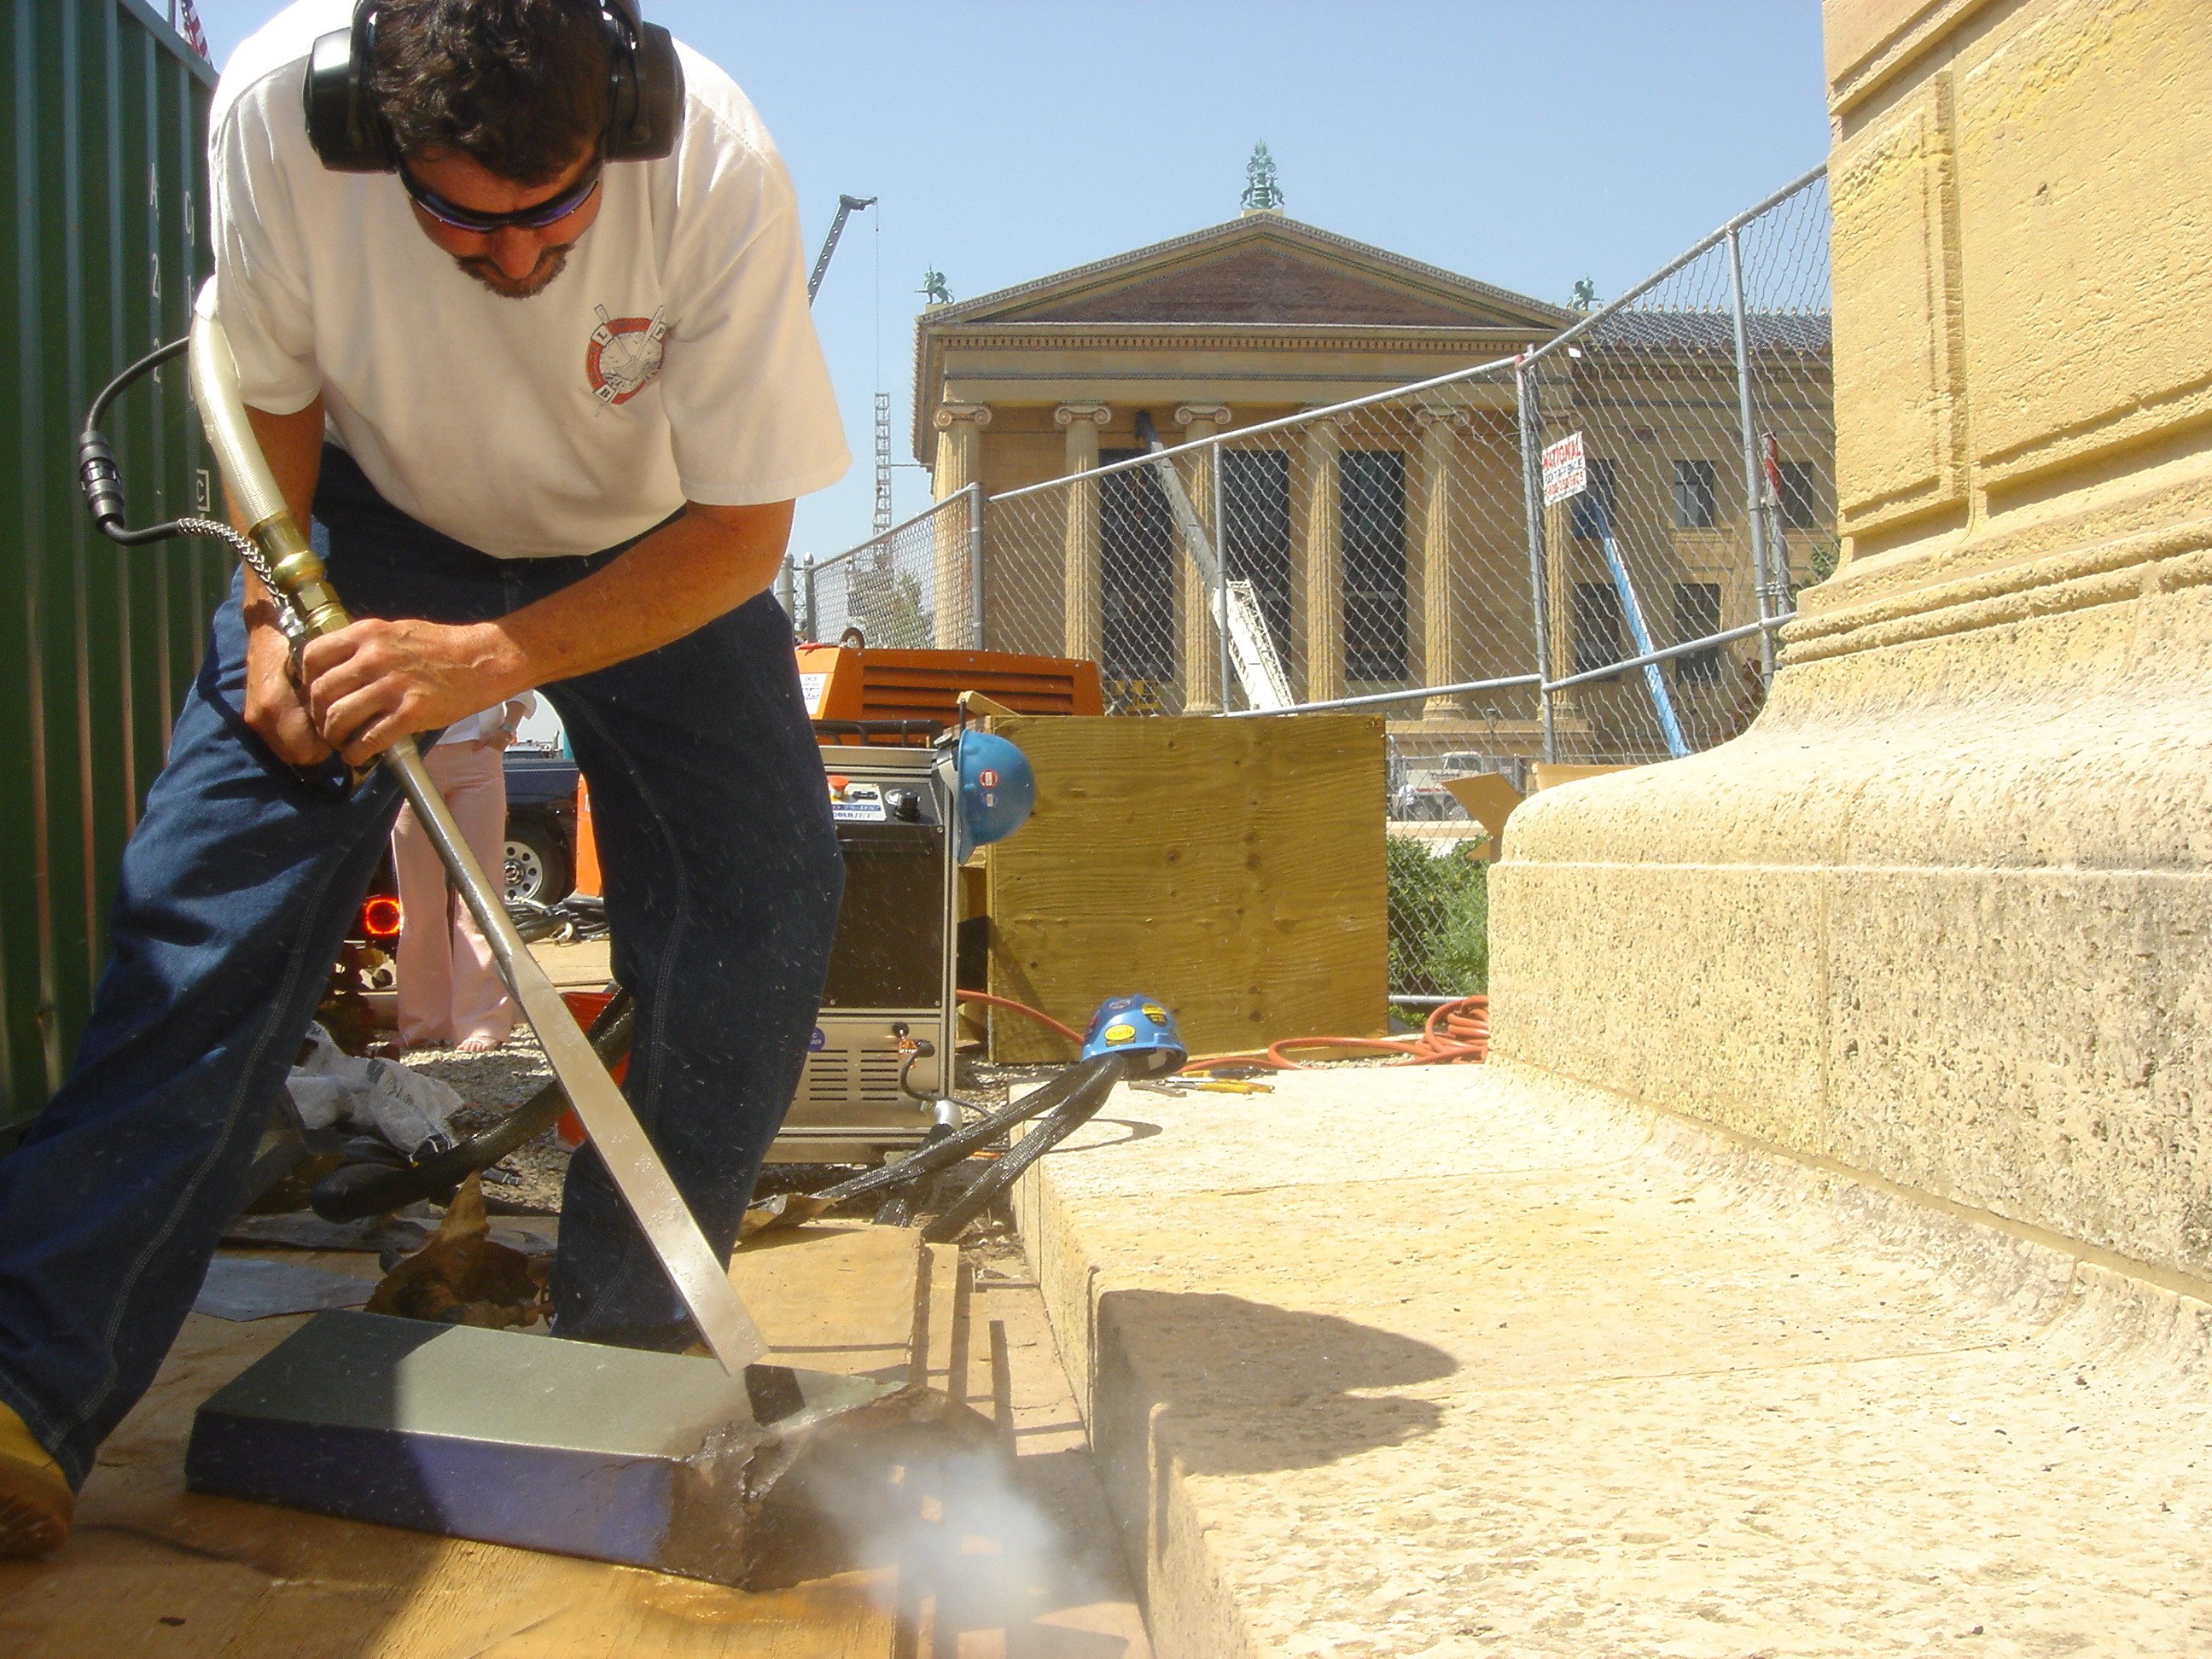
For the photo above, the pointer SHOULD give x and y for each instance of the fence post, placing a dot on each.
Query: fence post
(813, 616)
(975, 564)
(1221, 569)
(785, 595)
(1532, 487)
(1753, 511)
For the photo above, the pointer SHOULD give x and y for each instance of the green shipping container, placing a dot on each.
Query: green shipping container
(103, 149)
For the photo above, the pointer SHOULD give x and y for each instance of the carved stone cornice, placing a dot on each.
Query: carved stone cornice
(1001, 351)
(1272, 229)
(1068, 414)
(1243, 337)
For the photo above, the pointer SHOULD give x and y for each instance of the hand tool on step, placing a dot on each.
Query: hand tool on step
(277, 549)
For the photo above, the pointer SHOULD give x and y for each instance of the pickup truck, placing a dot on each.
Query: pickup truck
(540, 858)
(541, 824)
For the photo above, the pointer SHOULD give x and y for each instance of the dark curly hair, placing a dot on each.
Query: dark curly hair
(519, 86)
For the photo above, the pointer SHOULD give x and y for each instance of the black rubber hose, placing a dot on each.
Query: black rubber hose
(897, 1210)
(355, 1190)
(146, 365)
(950, 1151)
(1099, 1075)
(98, 474)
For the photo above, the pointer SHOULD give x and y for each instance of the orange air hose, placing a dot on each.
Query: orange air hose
(1037, 1014)
(1454, 1031)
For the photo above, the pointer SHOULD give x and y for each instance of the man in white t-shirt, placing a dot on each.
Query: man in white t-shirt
(552, 409)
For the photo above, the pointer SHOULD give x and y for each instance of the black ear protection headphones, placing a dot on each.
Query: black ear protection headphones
(645, 92)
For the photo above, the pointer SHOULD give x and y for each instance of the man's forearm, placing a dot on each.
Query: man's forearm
(675, 581)
(682, 577)
(377, 680)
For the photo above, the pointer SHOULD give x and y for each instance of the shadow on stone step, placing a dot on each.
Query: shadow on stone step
(1232, 1387)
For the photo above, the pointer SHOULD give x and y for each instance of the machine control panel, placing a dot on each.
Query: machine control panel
(890, 986)
(855, 801)
(865, 800)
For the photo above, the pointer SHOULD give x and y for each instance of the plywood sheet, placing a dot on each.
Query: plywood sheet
(1550, 774)
(1233, 869)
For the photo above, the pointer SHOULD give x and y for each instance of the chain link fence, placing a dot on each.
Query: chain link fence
(912, 587)
(1577, 556)
(1703, 412)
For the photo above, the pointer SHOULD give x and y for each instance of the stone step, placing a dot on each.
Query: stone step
(1467, 1360)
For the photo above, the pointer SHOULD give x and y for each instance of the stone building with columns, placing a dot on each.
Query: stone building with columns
(1386, 548)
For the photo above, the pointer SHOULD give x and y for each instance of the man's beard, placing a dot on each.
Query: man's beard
(549, 265)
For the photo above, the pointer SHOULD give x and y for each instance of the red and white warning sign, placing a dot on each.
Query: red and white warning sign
(1566, 471)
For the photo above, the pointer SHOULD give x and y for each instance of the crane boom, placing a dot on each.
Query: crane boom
(847, 207)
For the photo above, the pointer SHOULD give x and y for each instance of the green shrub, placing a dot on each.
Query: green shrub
(1439, 921)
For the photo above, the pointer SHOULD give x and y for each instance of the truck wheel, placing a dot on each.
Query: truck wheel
(537, 864)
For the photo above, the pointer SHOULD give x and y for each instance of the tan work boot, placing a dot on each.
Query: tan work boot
(35, 1500)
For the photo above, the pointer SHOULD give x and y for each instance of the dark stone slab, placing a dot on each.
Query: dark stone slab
(655, 1460)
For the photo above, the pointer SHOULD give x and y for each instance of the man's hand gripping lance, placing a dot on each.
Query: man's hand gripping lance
(277, 550)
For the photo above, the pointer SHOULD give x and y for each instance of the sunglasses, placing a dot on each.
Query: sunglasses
(483, 224)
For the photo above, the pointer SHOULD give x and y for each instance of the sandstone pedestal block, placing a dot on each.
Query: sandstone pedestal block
(1941, 916)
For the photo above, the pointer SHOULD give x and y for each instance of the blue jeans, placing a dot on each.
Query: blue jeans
(722, 884)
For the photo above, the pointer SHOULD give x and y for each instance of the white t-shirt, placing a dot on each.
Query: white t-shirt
(475, 729)
(673, 360)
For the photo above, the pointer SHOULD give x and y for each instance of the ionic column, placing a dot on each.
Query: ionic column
(1082, 607)
(1323, 634)
(1437, 495)
(959, 464)
(1198, 656)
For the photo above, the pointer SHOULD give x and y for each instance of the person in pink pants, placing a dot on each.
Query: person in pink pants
(450, 994)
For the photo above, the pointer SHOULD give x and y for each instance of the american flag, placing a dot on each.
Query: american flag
(188, 20)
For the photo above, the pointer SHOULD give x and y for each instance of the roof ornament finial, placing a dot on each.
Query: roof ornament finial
(932, 289)
(1262, 192)
(1585, 294)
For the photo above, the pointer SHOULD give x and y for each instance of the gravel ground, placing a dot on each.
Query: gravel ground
(493, 1084)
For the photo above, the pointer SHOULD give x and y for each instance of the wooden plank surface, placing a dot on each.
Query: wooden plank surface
(1023, 1567)
(153, 1570)
(833, 1297)
(1233, 869)
(941, 1362)
(584, 965)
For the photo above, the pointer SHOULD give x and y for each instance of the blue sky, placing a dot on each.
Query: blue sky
(1527, 144)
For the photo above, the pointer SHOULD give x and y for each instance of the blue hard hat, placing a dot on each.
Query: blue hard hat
(1136, 1025)
(997, 790)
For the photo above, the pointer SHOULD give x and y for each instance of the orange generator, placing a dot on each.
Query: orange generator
(845, 684)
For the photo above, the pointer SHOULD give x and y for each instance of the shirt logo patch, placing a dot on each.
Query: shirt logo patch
(625, 353)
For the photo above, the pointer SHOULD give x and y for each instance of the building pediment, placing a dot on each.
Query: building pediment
(1258, 270)
(1260, 288)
